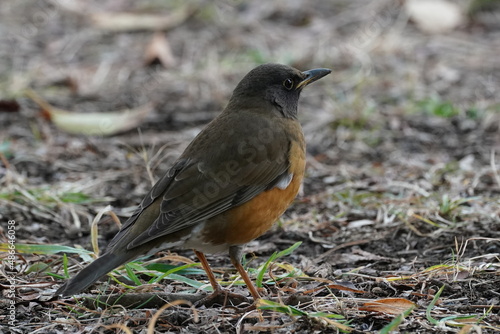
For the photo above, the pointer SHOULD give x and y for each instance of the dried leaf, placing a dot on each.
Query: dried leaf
(345, 286)
(29, 297)
(159, 50)
(434, 16)
(360, 223)
(139, 21)
(387, 305)
(95, 123)
(458, 276)
(370, 256)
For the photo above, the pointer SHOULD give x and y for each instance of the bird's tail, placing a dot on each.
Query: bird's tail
(92, 273)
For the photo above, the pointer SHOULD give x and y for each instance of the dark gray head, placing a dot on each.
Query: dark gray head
(275, 84)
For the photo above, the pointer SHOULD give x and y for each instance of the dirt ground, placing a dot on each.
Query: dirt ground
(401, 199)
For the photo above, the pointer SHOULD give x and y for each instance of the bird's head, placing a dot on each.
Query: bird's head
(276, 85)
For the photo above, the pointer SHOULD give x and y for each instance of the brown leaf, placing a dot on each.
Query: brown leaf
(344, 287)
(159, 50)
(387, 305)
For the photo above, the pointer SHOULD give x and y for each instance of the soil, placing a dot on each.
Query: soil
(402, 191)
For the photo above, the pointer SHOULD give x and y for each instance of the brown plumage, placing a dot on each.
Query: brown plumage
(228, 187)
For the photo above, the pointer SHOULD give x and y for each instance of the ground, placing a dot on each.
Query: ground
(400, 207)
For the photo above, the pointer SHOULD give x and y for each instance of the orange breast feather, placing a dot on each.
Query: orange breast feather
(252, 219)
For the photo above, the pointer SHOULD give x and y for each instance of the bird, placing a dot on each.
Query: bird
(228, 187)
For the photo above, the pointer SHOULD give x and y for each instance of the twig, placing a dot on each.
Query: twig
(494, 167)
(133, 300)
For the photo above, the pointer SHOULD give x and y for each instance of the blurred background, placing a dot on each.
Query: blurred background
(98, 98)
(414, 83)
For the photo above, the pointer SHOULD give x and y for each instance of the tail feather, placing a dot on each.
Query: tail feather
(92, 273)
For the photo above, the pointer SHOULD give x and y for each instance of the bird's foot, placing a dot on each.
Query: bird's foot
(223, 297)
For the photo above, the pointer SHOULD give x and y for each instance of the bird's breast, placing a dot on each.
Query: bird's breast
(250, 220)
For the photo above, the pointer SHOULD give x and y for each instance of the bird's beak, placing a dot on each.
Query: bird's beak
(313, 75)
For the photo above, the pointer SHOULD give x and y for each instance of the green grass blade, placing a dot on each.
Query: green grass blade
(289, 250)
(431, 306)
(44, 249)
(293, 273)
(190, 282)
(37, 267)
(277, 307)
(272, 258)
(325, 315)
(62, 277)
(263, 269)
(188, 269)
(49, 250)
(459, 317)
(65, 265)
(131, 274)
(393, 325)
(113, 277)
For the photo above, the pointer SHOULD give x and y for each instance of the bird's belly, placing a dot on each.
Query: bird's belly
(255, 217)
(198, 241)
(190, 237)
(236, 226)
(241, 224)
(250, 220)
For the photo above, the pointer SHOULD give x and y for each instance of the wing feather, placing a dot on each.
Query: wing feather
(207, 181)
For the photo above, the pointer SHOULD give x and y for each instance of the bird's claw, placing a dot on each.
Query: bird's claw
(224, 298)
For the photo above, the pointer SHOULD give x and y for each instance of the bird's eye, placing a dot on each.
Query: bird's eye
(288, 83)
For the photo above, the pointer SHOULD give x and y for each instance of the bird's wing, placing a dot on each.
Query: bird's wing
(193, 191)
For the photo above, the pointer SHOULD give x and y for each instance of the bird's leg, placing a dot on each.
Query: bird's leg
(211, 277)
(219, 295)
(235, 255)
